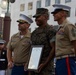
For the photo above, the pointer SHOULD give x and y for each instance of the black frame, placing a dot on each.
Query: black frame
(35, 56)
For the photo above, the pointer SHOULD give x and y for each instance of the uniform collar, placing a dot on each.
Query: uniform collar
(28, 34)
(64, 23)
(43, 27)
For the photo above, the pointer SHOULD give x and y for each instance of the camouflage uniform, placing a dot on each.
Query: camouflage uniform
(43, 36)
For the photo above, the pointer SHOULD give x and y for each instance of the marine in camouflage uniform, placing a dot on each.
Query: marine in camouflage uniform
(44, 36)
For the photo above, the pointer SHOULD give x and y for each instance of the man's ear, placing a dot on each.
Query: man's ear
(28, 25)
(62, 13)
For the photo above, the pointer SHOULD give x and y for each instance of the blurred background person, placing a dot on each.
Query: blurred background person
(3, 58)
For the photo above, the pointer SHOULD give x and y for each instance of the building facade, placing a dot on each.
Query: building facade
(28, 7)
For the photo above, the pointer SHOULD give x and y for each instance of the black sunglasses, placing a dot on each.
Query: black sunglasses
(1, 43)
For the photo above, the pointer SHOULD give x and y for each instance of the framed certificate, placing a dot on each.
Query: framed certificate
(35, 57)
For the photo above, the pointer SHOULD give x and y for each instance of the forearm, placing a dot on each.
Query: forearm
(50, 57)
(9, 55)
(74, 45)
(51, 54)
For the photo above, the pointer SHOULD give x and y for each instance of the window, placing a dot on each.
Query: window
(30, 16)
(22, 7)
(66, 1)
(57, 1)
(47, 3)
(38, 4)
(49, 15)
(68, 13)
(75, 12)
(30, 5)
(75, 24)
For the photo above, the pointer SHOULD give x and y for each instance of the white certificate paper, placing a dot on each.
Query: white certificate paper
(35, 57)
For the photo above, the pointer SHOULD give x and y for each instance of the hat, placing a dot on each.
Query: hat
(24, 18)
(41, 11)
(59, 7)
(2, 41)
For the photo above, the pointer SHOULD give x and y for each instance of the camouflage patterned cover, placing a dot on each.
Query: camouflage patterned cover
(42, 36)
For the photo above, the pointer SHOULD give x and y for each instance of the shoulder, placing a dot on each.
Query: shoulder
(36, 30)
(49, 26)
(69, 26)
(14, 35)
(70, 29)
(51, 29)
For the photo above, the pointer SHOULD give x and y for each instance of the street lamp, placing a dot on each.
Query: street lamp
(3, 4)
(2, 15)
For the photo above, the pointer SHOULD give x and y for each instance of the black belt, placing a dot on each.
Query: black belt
(19, 64)
(64, 56)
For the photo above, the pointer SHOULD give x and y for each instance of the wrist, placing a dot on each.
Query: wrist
(10, 62)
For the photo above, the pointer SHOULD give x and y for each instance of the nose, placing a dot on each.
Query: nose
(19, 24)
(53, 14)
(35, 19)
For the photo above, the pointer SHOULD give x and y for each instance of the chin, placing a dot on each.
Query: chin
(38, 24)
(55, 20)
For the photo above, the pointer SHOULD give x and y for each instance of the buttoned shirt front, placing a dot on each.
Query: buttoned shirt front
(20, 47)
(64, 36)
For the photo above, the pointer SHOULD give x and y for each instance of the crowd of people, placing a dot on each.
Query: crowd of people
(57, 44)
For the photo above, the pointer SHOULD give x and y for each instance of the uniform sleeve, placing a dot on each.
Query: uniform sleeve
(53, 39)
(9, 45)
(71, 32)
(51, 35)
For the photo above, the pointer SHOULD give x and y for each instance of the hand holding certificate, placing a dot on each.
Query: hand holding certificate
(35, 57)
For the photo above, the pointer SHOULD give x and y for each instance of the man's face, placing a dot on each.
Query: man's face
(40, 20)
(1, 46)
(23, 26)
(57, 16)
